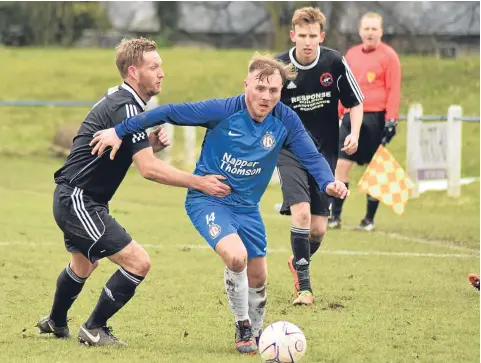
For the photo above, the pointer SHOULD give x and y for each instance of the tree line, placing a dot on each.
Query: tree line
(48, 23)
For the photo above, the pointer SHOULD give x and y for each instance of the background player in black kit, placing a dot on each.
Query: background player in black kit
(323, 79)
(85, 185)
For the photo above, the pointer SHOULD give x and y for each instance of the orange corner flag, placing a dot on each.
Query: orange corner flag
(385, 180)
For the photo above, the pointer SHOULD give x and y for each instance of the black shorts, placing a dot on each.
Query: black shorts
(299, 186)
(86, 224)
(370, 136)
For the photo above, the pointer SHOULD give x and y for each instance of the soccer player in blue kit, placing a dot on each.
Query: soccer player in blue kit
(244, 136)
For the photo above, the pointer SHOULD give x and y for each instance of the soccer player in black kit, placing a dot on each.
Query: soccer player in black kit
(85, 185)
(323, 79)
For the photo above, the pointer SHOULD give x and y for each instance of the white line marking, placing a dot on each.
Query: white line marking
(433, 242)
(23, 243)
(398, 254)
(187, 247)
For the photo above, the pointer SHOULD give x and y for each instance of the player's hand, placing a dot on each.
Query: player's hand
(350, 144)
(103, 139)
(389, 131)
(158, 139)
(212, 185)
(337, 189)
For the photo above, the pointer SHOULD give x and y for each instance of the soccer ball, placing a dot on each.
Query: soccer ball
(282, 342)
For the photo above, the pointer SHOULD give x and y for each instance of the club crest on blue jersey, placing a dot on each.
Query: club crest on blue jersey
(214, 230)
(268, 141)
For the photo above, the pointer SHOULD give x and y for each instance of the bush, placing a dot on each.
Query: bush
(48, 23)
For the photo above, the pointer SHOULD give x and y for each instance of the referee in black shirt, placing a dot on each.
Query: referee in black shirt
(85, 185)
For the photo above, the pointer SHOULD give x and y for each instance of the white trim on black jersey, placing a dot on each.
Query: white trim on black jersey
(131, 110)
(352, 82)
(86, 166)
(141, 103)
(300, 66)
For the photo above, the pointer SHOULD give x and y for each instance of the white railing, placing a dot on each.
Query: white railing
(433, 149)
(190, 140)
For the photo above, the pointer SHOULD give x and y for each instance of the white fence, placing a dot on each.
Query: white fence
(190, 140)
(433, 149)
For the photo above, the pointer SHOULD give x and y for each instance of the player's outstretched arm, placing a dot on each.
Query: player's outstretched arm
(203, 113)
(156, 170)
(317, 166)
(302, 146)
(108, 138)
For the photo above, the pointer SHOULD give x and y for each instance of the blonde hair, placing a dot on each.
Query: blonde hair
(130, 52)
(371, 15)
(267, 65)
(308, 15)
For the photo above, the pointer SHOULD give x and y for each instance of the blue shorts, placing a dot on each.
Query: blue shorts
(214, 221)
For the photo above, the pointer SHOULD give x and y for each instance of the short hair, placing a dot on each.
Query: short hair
(267, 65)
(130, 52)
(308, 15)
(371, 15)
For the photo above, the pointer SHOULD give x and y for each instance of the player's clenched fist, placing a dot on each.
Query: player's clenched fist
(159, 140)
(337, 189)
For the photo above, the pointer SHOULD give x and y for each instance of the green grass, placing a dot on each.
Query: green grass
(192, 74)
(370, 307)
(401, 292)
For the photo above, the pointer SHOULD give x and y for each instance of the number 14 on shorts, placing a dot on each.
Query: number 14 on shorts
(214, 229)
(210, 218)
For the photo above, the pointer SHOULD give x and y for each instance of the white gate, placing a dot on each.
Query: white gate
(434, 148)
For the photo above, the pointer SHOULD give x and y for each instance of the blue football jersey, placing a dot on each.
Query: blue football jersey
(236, 146)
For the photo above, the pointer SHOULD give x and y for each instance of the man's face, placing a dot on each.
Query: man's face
(307, 37)
(149, 75)
(262, 96)
(370, 31)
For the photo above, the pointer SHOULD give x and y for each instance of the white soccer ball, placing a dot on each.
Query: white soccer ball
(282, 342)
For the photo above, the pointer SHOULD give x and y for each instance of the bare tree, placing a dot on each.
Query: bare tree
(168, 14)
(279, 30)
(334, 38)
(474, 15)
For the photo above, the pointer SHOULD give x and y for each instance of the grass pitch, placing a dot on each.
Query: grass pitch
(396, 295)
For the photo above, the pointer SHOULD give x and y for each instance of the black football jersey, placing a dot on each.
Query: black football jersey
(315, 93)
(99, 176)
